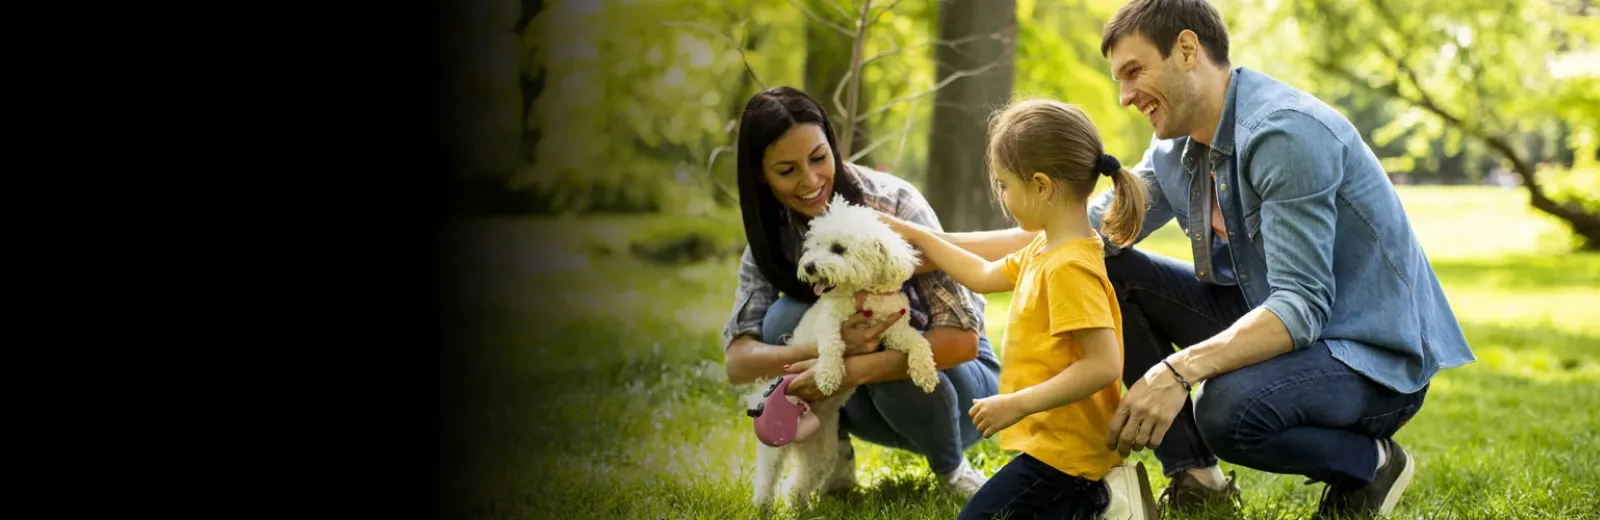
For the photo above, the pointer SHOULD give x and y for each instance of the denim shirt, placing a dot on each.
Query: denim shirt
(1315, 231)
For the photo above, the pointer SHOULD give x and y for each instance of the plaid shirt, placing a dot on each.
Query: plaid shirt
(936, 299)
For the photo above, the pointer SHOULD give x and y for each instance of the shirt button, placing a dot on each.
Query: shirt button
(1222, 187)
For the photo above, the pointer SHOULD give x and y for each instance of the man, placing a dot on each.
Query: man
(1310, 311)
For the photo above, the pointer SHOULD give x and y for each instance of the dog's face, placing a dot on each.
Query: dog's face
(849, 248)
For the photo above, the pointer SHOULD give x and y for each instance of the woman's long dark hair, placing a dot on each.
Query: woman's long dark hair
(766, 117)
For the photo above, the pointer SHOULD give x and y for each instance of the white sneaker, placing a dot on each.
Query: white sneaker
(964, 480)
(1131, 498)
(843, 477)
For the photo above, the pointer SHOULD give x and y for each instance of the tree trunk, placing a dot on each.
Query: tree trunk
(958, 180)
(827, 61)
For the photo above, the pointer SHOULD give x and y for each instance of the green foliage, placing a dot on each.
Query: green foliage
(640, 102)
(1058, 56)
(1485, 64)
(640, 96)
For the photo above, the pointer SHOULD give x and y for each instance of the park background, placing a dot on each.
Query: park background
(596, 229)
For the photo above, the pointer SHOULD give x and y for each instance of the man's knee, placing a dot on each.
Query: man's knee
(1120, 269)
(781, 319)
(1222, 412)
(1128, 270)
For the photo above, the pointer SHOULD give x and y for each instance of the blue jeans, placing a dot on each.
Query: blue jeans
(896, 413)
(1303, 412)
(1027, 488)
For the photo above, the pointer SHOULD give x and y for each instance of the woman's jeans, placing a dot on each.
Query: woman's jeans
(1301, 412)
(896, 413)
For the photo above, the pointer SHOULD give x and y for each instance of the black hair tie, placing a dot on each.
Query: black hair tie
(1107, 165)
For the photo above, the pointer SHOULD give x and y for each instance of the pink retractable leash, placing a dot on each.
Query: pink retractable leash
(780, 421)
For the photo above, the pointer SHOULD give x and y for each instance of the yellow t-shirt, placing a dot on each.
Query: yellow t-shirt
(1058, 291)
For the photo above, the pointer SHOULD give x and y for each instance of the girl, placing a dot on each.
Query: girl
(1062, 352)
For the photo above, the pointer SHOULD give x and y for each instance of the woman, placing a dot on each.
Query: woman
(789, 168)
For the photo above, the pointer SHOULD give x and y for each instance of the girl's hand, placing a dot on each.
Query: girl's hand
(992, 414)
(913, 234)
(905, 229)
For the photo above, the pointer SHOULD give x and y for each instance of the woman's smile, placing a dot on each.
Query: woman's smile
(816, 199)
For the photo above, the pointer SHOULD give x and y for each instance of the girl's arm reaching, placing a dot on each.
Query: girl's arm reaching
(966, 268)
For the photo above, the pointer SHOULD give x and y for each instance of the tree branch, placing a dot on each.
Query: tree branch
(1581, 221)
(853, 76)
(997, 35)
(711, 173)
(845, 13)
(942, 84)
(743, 58)
(882, 140)
(885, 10)
(900, 150)
(1572, 213)
(819, 19)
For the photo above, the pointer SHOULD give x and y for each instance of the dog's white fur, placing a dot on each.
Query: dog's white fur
(850, 249)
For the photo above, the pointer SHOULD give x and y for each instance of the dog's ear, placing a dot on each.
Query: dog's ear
(909, 257)
(899, 266)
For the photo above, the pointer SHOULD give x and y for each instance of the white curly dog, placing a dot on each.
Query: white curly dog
(856, 263)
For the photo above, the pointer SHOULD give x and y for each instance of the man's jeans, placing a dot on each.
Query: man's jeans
(897, 413)
(1302, 412)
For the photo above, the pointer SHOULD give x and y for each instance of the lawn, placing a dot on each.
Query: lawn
(591, 384)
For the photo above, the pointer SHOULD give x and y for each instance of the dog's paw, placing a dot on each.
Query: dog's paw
(927, 381)
(828, 385)
(829, 375)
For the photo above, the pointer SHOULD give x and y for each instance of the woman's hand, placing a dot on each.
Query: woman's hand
(862, 332)
(804, 385)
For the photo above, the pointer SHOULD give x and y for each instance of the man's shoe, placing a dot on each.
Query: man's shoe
(1377, 497)
(1131, 498)
(1185, 493)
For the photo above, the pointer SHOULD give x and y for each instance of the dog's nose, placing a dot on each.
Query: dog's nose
(811, 268)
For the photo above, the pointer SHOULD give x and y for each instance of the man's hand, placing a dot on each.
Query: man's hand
(1146, 411)
(992, 414)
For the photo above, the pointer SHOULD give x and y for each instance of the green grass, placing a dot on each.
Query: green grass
(593, 384)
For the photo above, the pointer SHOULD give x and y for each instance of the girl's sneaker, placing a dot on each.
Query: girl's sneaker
(1131, 498)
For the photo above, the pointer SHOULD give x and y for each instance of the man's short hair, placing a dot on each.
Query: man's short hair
(1162, 20)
